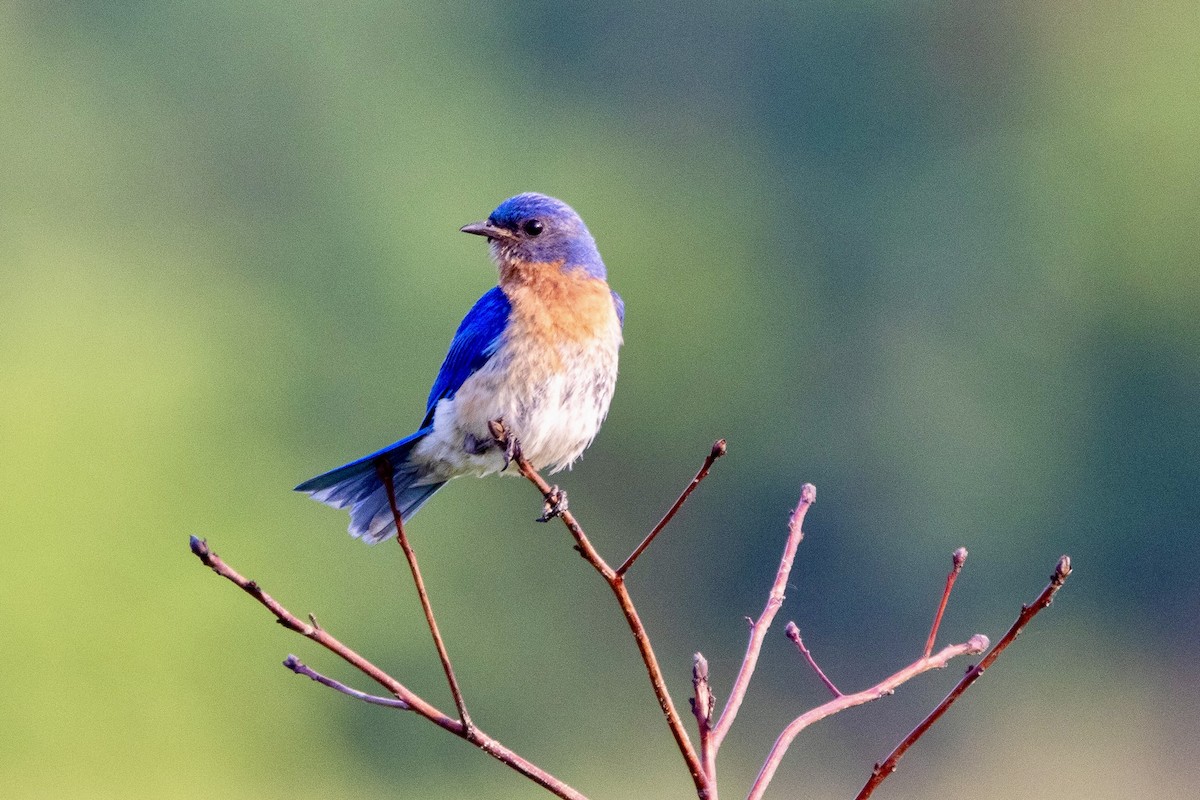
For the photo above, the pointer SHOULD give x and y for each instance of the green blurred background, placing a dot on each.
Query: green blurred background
(938, 258)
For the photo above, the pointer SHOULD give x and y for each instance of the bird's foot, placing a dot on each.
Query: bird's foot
(555, 505)
(506, 441)
(512, 451)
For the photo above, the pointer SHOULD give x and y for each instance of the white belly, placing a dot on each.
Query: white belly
(552, 402)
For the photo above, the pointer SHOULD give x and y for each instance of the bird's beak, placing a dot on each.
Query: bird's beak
(486, 229)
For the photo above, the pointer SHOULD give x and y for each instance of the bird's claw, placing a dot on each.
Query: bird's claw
(509, 444)
(555, 505)
(512, 451)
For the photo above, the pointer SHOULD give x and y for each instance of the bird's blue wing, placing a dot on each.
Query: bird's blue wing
(476, 340)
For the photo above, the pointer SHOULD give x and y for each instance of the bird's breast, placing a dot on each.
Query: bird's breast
(551, 307)
(551, 378)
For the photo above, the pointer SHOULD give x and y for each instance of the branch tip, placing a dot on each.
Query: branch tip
(840, 702)
(758, 628)
(718, 449)
(959, 557)
(703, 704)
(199, 548)
(977, 644)
(1061, 570)
(792, 631)
(300, 668)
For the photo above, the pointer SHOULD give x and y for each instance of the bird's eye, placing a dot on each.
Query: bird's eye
(532, 227)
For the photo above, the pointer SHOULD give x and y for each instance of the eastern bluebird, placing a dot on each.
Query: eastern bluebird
(539, 351)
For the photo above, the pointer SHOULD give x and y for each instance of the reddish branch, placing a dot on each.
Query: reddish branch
(957, 559)
(702, 765)
(719, 449)
(300, 668)
(398, 690)
(882, 770)
(556, 507)
(758, 628)
(977, 644)
(384, 469)
(793, 633)
(703, 705)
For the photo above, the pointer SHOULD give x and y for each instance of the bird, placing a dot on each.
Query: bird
(538, 352)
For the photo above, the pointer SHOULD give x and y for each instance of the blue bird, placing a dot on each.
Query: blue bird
(538, 351)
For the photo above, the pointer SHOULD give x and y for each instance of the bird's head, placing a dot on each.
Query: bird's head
(533, 229)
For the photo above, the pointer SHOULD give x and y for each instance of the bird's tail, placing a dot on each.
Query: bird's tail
(357, 486)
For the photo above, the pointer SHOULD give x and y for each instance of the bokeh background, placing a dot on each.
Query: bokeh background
(938, 258)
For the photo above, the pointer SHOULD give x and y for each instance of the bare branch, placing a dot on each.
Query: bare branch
(793, 633)
(957, 559)
(383, 468)
(556, 504)
(703, 705)
(300, 668)
(417, 704)
(719, 449)
(702, 764)
(977, 644)
(882, 770)
(758, 628)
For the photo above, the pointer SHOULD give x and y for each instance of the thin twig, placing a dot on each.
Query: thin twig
(793, 633)
(719, 449)
(300, 668)
(957, 559)
(977, 644)
(882, 770)
(384, 469)
(758, 628)
(703, 705)
(401, 692)
(557, 507)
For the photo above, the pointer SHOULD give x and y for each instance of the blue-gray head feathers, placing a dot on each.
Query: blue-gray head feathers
(535, 228)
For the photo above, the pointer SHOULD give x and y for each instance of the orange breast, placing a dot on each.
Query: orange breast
(553, 309)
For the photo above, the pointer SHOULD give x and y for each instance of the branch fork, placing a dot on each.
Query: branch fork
(615, 578)
(712, 728)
